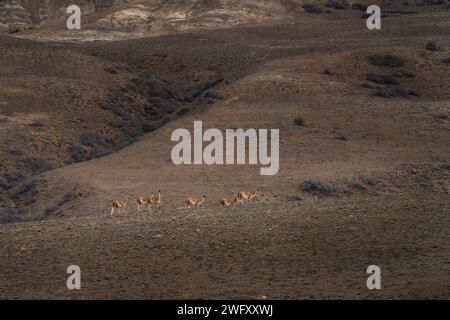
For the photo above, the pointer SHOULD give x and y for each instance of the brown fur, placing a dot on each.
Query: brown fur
(248, 196)
(144, 201)
(118, 205)
(194, 201)
(228, 202)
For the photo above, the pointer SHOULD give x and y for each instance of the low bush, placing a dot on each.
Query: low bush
(300, 121)
(36, 165)
(318, 188)
(386, 60)
(312, 8)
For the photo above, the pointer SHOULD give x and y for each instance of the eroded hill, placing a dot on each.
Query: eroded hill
(113, 19)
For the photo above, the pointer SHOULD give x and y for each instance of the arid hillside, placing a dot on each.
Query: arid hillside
(364, 122)
(68, 103)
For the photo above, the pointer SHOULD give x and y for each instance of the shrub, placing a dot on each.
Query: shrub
(368, 85)
(14, 176)
(78, 153)
(183, 110)
(36, 165)
(25, 191)
(394, 91)
(3, 184)
(16, 152)
(317, 188)
(111, 70)
(369, 180)
(443, 116)
(211, 94)
(312, 8)
(432, 46)
(163, 104)
(10, 215)
(55, 206)
(359, 6)
(381, 79)
(300, 121)
(98, 152)
(403, 74)
(386, 60)
(336, 4)
(355, 184)
(93, 139)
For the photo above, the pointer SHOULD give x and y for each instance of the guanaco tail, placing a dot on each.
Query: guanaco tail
(118, 205)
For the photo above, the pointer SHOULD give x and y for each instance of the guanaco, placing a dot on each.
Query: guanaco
(252, 195)
(228, 202)
(118, 204)
(156, 201)
(248, 196)
(194, 201)
(146, 200)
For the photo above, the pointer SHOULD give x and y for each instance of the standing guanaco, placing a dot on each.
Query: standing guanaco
(141, 201)
(248, 196)
(156, 201)
(194, 201)
(118, 204)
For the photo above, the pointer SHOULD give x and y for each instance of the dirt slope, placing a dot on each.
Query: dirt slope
(349, 131)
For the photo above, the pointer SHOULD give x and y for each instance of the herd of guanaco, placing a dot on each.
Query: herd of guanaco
(154, 201)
